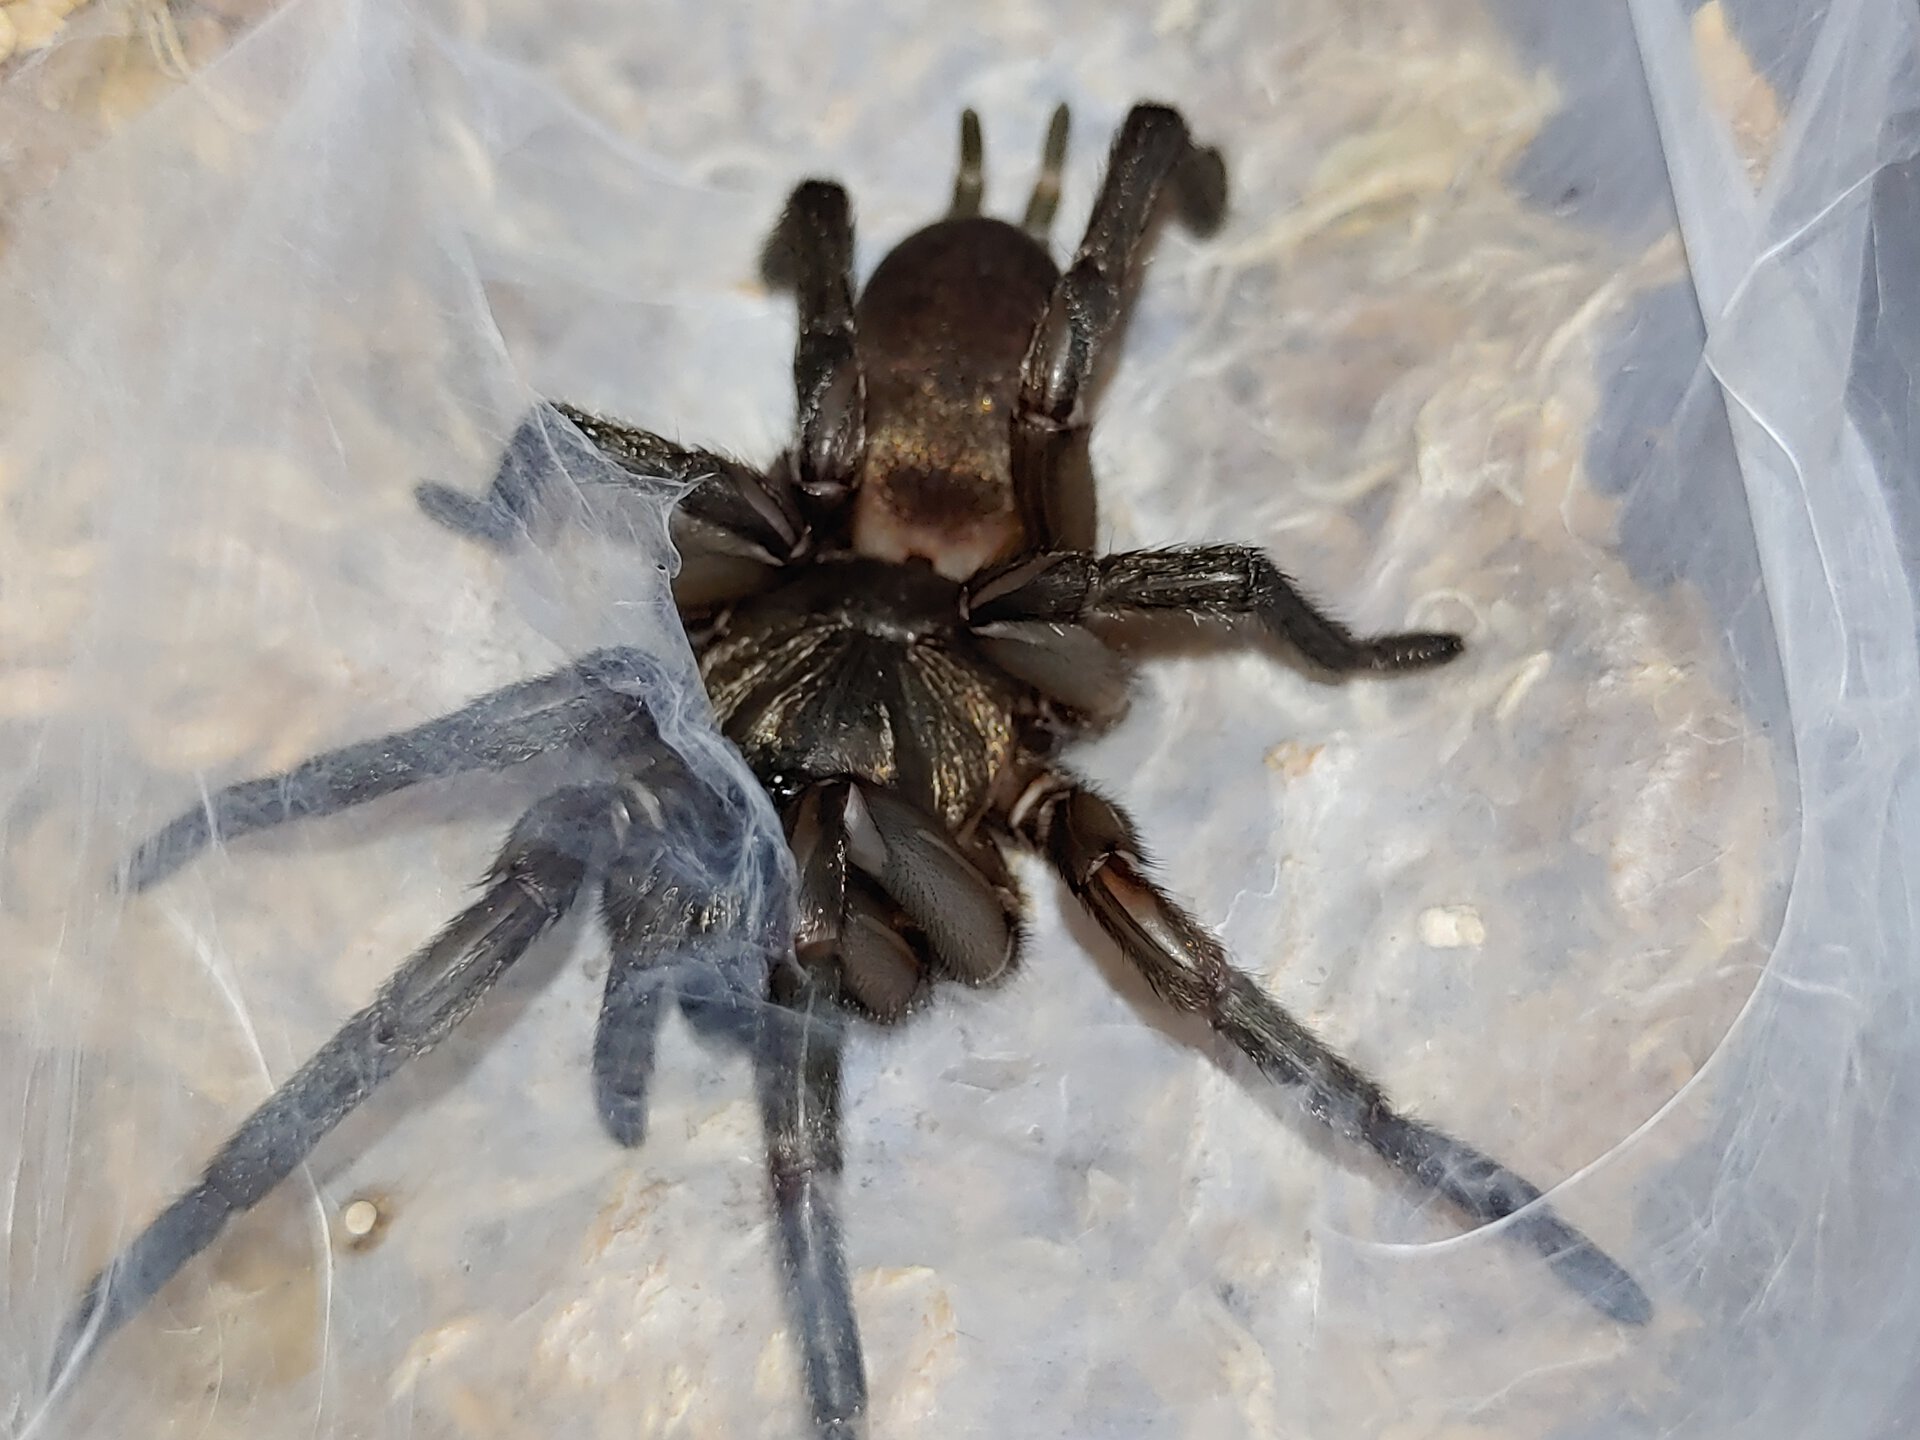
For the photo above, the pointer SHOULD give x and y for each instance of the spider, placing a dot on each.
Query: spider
(900, 625)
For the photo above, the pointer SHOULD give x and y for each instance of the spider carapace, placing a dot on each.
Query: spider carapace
(901, 624)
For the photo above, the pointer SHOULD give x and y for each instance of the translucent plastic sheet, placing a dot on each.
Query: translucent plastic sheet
(1489, 341)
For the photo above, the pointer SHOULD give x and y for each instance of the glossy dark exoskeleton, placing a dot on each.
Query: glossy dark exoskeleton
(900, 624)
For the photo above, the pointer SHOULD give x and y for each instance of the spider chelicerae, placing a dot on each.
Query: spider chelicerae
(900, 624)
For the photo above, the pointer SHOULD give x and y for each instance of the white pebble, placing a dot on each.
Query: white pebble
(1451, 927)
(359, 1218)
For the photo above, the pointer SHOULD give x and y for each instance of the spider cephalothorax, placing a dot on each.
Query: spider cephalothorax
(899, 625)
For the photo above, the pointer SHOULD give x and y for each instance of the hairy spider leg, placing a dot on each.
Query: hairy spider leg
(1045, 200)
(811, 252)
(798, 1073)
(970, 177)
(1093, 845)
(730, 506)
(1202, 581)
(589, 701)
(530, 886)
(662, 911)
(633, 902)
(797, 1070)
(1151, 152)
(845, 835)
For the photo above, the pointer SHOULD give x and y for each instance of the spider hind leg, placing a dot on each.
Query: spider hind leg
(1094, 847)
(530, 886)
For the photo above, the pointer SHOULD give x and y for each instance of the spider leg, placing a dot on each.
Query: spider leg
(811, 252)
(731, 508)
(1045, 201)
(1092, 844)
(591, 700)
(969, 180)
(658, 907)
(1151, 152)
(797, 1069)
(644, 922)
(799, 1088)
(1202, 581)
(530, 886)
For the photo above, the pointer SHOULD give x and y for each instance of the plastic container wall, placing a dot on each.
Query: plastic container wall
(1581, 328)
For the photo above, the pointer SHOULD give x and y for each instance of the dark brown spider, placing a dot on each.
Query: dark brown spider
(895, 627)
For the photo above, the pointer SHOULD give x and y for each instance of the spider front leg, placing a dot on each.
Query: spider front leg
(731, 508)
(595, 701)
(1096, 851)
(532, 884)
(811, 252)
(1152, 151)
(1220, 582)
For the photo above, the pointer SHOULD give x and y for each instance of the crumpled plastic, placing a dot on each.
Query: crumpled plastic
(1582, 330)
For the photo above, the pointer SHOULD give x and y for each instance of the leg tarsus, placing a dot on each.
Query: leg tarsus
(1200, 189)
(1152, 150)
(502, 514)
(1484, 1189)
(623, 1043)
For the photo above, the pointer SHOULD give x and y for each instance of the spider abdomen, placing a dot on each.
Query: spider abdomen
(863, 669)
(943, 327)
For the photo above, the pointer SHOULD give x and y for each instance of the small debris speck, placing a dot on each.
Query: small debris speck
(1452, 927)
(360, 1218)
